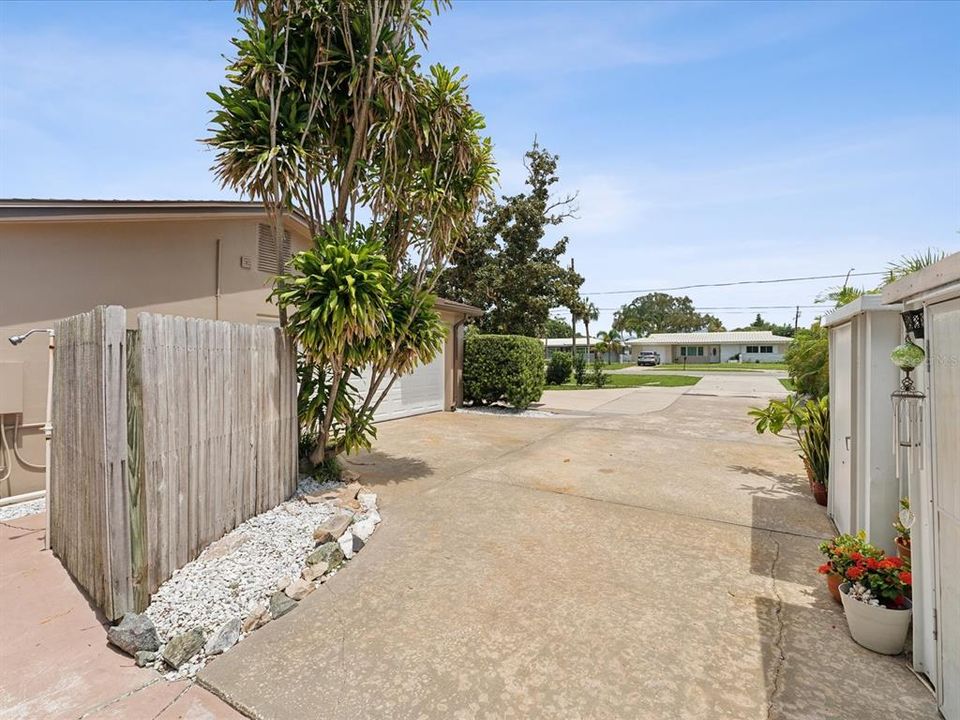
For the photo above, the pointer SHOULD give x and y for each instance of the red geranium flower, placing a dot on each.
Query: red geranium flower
(906, 578)
(824, 569)
(886, 564)
(872, 563)
(855, 573)
(856, 556)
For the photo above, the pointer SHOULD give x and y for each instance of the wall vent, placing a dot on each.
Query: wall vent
(267, 249)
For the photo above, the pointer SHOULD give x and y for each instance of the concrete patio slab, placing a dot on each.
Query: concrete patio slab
(651, 565)
(54, 658)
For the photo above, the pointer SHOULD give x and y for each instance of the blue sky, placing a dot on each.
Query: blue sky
(708, 142)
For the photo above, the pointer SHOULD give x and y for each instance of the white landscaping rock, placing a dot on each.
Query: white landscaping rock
(237, 576)
(346, 544)
(368, 501)
(364, 529)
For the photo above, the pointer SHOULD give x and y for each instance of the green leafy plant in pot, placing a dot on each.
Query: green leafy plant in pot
(839, 558)
(807, 423)
(902, 526)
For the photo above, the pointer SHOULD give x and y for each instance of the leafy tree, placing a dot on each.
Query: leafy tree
(662, 313)
(504, 267)
(807, 360)
(326, 113)
(557, 328)
(759, 323)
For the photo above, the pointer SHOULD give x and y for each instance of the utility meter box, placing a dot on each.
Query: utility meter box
(11, 387)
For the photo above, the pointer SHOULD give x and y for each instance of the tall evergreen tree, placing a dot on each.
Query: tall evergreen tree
(504, 267)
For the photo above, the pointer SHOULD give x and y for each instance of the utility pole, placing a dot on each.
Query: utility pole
(573, 322)
(796, 320)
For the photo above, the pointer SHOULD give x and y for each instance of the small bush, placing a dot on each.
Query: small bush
(503, 367)
(580, 368)
(558, 371)
(598, 377)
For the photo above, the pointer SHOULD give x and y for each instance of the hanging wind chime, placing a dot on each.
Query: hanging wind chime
(908, 401)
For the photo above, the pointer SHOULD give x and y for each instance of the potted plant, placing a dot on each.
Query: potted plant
(808, 422)
(903, 530)
(841, 554)
(875, 602)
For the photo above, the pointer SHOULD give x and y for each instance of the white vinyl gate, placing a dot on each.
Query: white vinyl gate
(841, 423)
(944, 321)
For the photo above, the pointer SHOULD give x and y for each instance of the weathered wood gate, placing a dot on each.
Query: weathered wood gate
(165, 438)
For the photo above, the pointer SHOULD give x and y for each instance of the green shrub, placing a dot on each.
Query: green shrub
(558, 371)
(808, 362)
(580, 368)
(503, 367)
(598, 377)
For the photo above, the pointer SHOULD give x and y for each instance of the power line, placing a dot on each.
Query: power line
(736, 282)
(745, 307)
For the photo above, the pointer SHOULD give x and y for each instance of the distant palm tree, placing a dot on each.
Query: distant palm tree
(589, 314)
(908, 264)
(612, 343)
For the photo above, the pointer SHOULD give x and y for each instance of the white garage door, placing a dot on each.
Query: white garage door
(419, 392)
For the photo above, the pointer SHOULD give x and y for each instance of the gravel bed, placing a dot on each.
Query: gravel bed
(239, 571)
(30, 507)
(513, 412)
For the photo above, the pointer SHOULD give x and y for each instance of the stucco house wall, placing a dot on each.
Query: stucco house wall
(193, 259)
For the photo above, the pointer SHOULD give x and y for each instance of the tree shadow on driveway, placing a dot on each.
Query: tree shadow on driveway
(381, 468)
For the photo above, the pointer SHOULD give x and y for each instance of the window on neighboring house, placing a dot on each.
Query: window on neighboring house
(691, 351)
(752, 349)
(267, 250)
(766, 349)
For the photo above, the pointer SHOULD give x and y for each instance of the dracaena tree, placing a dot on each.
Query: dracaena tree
(328, 113)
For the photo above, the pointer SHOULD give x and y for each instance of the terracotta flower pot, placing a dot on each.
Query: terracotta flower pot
(880, 629)
(833, 585)
(903, 549)
(819, 493)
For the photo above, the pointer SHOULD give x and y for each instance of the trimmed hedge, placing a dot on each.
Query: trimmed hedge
(503, 367)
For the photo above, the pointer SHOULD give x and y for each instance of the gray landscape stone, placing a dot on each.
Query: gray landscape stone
(145, 658)
(314, 572)
(182, 647)
(331, 529)
(280, 605)
(298, 589)
(133, 634)
(224, 638)
(329, 553)
(258, 617)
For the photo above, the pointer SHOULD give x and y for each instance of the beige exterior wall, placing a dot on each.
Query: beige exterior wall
(51, 270)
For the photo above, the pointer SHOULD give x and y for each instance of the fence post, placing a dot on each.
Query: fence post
(136, 505)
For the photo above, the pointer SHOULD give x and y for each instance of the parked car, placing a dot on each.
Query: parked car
(648, 357)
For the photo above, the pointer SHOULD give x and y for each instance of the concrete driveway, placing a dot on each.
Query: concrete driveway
(644, 554)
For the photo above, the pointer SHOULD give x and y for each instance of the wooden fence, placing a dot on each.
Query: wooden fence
(165, 438)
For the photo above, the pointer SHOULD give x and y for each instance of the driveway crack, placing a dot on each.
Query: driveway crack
(778, 652)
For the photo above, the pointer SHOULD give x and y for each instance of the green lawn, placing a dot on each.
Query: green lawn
(617, 366)
(723, 367)
(788, 384)
(629, 381)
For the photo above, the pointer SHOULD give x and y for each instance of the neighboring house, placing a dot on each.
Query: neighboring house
(713, 347)
(552, 345)
(192, 258)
